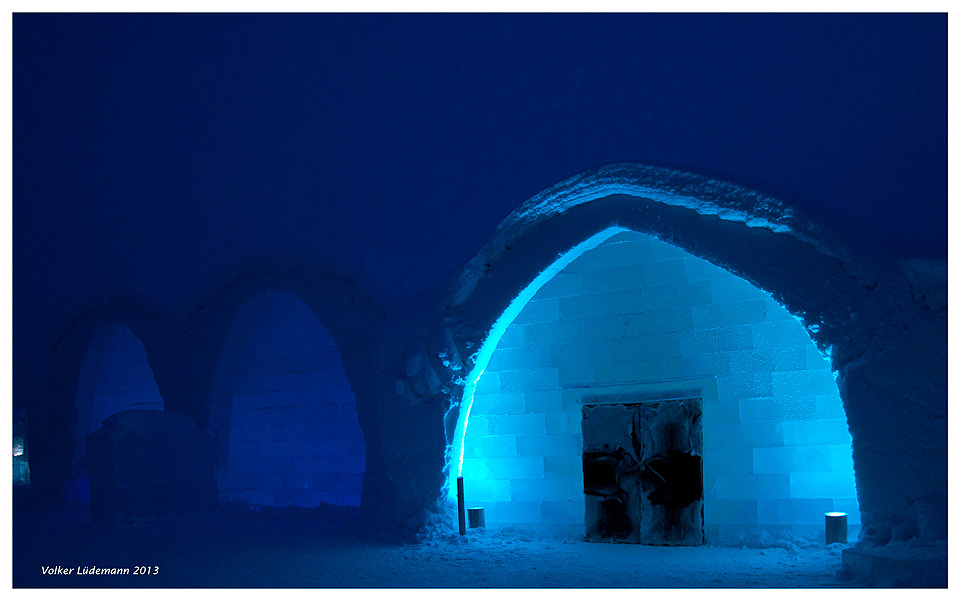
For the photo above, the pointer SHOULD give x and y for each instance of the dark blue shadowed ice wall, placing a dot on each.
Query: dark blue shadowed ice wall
(284, 413)
(153, 151)
(634, 317)
(115, 376)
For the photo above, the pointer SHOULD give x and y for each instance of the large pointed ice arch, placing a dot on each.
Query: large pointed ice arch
(762, 240)
(343, 310)
(53, 447)
(499, 328)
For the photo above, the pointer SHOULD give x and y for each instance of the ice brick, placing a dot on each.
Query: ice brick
(780, 334)
(733, 288)
(490, 446)
(643, 322)
(752, 486)
(816, 432)
(553, 489)
(539, 311)
(792, 384)
(498, 404)
(788, 460)
(489, 383)
(615, 278)
(543, 378)
(477, 492)
(562, 423)
(542, 401)
(793, 511)
(699, 269)
(541, 335)
(569, 467)
(606, 327)
(515, 512)
(729, 314)
(560, 285)
(517, 425)
(590, 305)
(511, 338)
(627, 371)
(569, 354)
(729, 338)
(730, 511)
(667, 271)
(728, 461)
(582, 373)
(730, 436)
(625, 253)
(549, 445)
(822, 484)
(776, 409)
(563, 512)
(742, 386)
(676, 295)
(517, 358)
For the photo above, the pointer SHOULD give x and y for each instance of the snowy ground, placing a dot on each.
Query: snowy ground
(227, 550)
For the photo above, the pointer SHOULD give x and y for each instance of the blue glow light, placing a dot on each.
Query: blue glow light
(632, 314)
(496, 333)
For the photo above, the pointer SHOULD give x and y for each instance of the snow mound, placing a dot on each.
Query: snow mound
(442, 530)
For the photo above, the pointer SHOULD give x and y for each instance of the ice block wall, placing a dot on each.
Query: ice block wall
(635, 312)
(115, 377)
(291, 435)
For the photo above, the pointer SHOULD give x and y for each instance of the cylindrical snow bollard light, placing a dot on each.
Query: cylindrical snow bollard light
(460, 516)
(476, 518)
(836, 527)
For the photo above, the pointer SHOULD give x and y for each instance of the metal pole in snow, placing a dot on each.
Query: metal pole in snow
(463, 523)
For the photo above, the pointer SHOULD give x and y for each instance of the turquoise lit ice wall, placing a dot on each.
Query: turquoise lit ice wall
(292, 436)
(625, 313)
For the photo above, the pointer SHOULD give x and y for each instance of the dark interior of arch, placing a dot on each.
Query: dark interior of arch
(285, 418)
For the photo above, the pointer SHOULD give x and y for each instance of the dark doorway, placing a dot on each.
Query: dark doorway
(642, 471)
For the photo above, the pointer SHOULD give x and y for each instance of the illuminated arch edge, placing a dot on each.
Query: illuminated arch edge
(489, 345)
(706, 197)
(658, 185)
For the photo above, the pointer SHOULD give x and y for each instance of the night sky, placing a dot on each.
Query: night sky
(152, 152)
